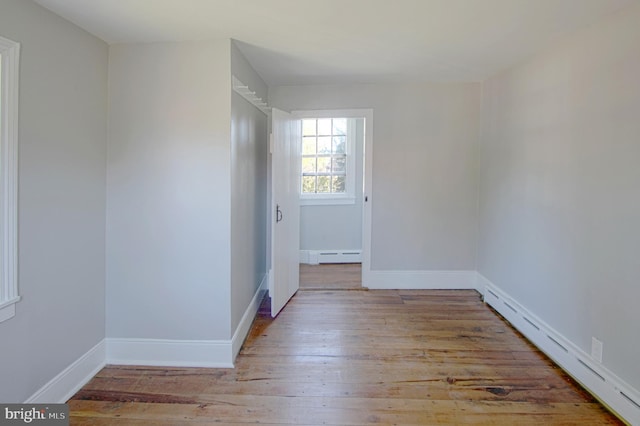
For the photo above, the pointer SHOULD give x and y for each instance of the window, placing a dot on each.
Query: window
(328, 165)
(9, 55)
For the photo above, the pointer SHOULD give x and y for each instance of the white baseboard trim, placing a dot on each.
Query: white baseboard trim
(247, 319)
(69, 381)
(596, 378)
(420, 280)
(315, 257)
(186, 353)
(170, 353)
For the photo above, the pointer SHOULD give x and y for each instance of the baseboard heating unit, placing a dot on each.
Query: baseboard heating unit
(315, 257)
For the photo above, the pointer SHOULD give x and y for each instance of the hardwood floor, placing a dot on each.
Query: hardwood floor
(331, 276)
(356, 358)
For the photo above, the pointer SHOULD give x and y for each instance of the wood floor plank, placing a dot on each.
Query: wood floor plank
(200, 390)
(355, 358)
(349, 411)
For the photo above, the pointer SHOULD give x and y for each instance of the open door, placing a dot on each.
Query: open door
(285, 226)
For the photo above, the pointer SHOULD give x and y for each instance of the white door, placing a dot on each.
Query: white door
(285, 226)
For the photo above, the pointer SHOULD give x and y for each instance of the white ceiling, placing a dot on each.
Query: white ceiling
(338, 41)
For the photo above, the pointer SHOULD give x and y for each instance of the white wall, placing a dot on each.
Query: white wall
(424, 212)
(249, 147)
(560, 197)
(168, 191)
(62, 140)
(336, 227)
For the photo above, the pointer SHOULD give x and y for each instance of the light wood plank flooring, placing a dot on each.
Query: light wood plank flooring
(331, 276)
(355, 358)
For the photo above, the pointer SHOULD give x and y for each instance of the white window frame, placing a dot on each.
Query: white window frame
(9, 82)
(349, 196)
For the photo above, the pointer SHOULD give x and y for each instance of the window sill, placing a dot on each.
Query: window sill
(8, 309)
(326, 201)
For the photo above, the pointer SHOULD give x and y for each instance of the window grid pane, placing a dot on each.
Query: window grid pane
(309, 145)
(309, 184)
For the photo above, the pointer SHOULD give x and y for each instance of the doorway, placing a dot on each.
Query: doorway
(334, 234)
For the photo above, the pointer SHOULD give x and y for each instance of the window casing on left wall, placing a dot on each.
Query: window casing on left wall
(9, 73)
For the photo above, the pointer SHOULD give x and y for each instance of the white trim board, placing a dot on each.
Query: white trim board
(245, 91)
(156, 352)
(186, 353)
(249, 315)
(420, 280)
(170, 353)
(71, 379)
(596, 378)
(9, 135)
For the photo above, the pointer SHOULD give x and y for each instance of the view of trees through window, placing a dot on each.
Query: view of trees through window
(324, 155)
